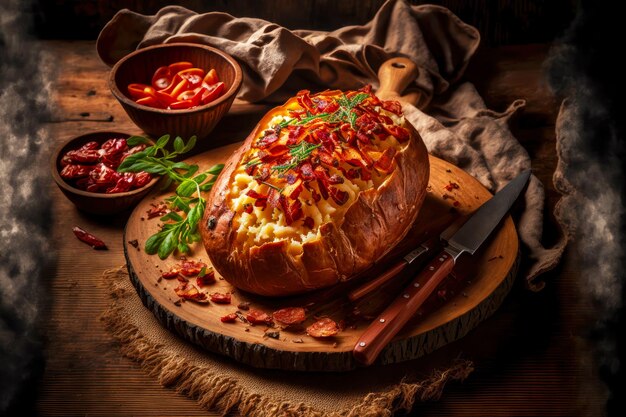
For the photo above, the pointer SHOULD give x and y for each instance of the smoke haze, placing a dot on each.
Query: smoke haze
(25, 215)
(584, 67)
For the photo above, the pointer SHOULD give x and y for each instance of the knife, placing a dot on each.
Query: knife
(466, 240)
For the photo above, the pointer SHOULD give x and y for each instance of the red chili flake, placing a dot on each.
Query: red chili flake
(207, 279)
(191, 268)
(188, 291)
(248, 208)
(290, 315)
(452, 186)
(157, 210)
(88, 238)
(220, 298)
(448, 197)
(172, 273)
(229, 318)
(258, 317)
(325, 327)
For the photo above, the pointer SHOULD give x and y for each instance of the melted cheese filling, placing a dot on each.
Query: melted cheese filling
(268, 224)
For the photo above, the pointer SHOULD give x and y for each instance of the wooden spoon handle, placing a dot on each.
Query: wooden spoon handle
(392, 320)
(395, 75)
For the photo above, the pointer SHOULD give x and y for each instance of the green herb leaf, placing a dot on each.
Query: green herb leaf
(168, 245)
(137, 140)
(178, 144)
(162, 141)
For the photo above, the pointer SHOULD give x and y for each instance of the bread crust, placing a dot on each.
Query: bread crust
(377, 220)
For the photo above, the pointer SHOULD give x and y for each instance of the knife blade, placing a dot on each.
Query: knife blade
(466, 240)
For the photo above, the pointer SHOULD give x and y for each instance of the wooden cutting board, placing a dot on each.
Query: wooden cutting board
(472, 293)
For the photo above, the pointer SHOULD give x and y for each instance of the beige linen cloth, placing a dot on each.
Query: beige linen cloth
(451, 117)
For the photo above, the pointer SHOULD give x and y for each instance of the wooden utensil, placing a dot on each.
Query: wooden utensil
(466, 240)
(395, 75)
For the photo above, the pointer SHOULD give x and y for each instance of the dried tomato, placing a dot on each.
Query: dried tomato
(71, 172)
(220, 298)
(207, 279)
(258, 317)
(325, 327)
(88, 238)
(189, 291)
(84, 156)
(191, 268)
(290, 315)
(229, 318)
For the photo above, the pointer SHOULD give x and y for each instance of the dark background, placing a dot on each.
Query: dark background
(500, 22)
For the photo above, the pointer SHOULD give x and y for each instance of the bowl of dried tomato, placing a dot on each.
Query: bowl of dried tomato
(85, 169)
(182, 89)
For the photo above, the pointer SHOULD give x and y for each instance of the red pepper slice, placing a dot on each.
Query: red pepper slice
(150, 102)
(290, 315)
(179, 105)
(213, 92)
(211, 77)
(220, 298)
(88, 238)
(323, 328)
(162, 78)
(136, 90)
(229, 318)
(176, 67)
(258, 317)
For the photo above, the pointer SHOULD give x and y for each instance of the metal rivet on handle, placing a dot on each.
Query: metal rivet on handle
(416, 285)
(431, 268)
(440, 259)
(406, 295)
(362, 344)
(382, 320)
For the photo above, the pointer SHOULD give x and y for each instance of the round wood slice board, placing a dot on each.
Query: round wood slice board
(472, 293)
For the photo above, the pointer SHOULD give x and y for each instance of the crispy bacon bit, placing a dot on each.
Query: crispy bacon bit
(309, 222)
(220, 298)
(172, 273)
(290, 315)
(322, 328)
(229, 318)
(207, 279)
(259, 317)
(248, 208)
(159, 210)
(191, 268)
(293, 190)
(340, 197)
(254, 194)
(452, 186)
(244, 305)
(188, 291)
(307, 171)
(269, 137)
(400, 133)
(392, 106)
(385, 162)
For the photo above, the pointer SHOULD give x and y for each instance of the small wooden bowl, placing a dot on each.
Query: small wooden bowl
(139, 66)
(96, 203)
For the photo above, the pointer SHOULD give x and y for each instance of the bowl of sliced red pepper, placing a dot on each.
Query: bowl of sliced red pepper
(85, 169)
(181, 89)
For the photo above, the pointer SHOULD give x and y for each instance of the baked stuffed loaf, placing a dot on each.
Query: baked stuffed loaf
(323, 187)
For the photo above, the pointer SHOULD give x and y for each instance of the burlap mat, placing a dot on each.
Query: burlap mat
(221, 384)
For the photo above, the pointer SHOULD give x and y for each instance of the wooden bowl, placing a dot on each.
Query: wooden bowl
(139, 66)
(95, 203)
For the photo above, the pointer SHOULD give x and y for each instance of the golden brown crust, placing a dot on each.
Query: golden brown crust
(373, 225)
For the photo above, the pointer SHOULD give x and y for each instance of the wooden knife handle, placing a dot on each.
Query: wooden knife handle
(376, 283)
(392, 320)
(395, 75)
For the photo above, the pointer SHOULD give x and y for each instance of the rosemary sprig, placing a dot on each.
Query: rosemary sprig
(299, 153)
(178, 231)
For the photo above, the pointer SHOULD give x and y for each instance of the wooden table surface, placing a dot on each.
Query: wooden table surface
(531, 359)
